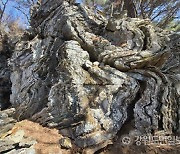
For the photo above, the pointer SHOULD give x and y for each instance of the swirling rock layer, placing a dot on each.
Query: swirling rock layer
(88, 76)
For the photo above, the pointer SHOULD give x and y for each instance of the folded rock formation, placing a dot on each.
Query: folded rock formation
(88, 75)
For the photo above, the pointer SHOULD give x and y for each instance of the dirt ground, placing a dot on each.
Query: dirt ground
(48, 142)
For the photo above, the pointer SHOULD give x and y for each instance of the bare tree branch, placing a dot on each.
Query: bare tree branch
(25, 14)
(3, 9)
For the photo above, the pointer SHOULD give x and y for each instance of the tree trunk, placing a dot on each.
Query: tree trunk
(131, 9)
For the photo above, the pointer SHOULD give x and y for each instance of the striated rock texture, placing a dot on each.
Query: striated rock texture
(88, 75)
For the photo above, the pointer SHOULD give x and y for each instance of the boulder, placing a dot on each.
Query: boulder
(89, 75)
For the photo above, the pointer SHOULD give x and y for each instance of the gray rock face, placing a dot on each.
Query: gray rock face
(6, 121)
(88, 75)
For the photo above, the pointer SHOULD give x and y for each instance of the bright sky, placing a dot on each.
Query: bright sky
(14, 13)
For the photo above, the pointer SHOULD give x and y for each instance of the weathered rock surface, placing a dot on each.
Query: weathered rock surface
(65, 143)
(6, 121)
(88, 76)
(27, 137)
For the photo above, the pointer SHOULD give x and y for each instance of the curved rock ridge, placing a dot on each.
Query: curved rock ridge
(88, 75)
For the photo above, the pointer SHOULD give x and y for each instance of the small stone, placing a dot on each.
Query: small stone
(3, 115)
(88, 64)
(96, 63)
(65, 143)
